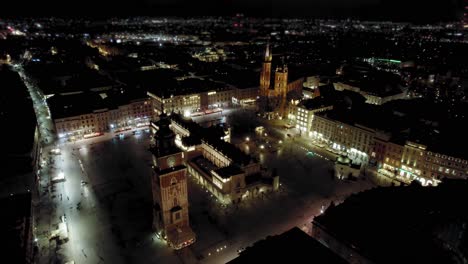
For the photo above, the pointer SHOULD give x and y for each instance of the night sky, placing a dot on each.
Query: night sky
(403, 10)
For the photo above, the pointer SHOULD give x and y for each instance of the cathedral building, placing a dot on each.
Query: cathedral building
(274, 88)
(169, 186)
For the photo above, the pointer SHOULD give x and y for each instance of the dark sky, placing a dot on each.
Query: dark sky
(407, 10)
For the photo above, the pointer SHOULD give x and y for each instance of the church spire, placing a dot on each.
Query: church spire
(268, 56)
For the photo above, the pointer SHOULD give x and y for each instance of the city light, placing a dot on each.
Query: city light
(216, 93)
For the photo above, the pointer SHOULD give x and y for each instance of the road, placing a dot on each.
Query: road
(44, 121)
(89, 237)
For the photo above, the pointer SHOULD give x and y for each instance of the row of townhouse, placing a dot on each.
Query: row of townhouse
(354, 140)
(190, 103)
(414, 161)
(402, 159)
(136, 113)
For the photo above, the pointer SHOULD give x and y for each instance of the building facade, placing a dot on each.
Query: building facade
(356, 141)
(403, 160)
(413, 161)
(189, 104)
(135, 114)
(227, 180)
(304, 114)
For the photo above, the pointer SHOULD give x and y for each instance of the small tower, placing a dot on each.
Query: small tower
(169, 186)
(265, 75)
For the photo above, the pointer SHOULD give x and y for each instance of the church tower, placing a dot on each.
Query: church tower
(265, 75)
(281, 87)
(169, 186)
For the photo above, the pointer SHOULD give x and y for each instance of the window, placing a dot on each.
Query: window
(173, 181)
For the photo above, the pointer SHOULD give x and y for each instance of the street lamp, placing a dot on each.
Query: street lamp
(247, 139)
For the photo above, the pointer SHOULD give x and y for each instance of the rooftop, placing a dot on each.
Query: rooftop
(227, 172)
(429, 124)
(379, 83)
(204, 164)
(412, 221)
(238, 156)
(239, 78)
(62, 106)
(316, 103)
(60, 78)
(212, 135)
(292, 246)
(171, 87)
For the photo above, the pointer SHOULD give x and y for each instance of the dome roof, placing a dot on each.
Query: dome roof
(343, 159)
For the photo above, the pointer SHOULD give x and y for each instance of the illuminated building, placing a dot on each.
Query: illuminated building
(230, 175)
(169, 187)
(340, 137)
(413, 161)
(276, 87)
(305, 110)
(103, 112)
(387, 154)
(188, 96)
(392, 142)
(223, 169)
